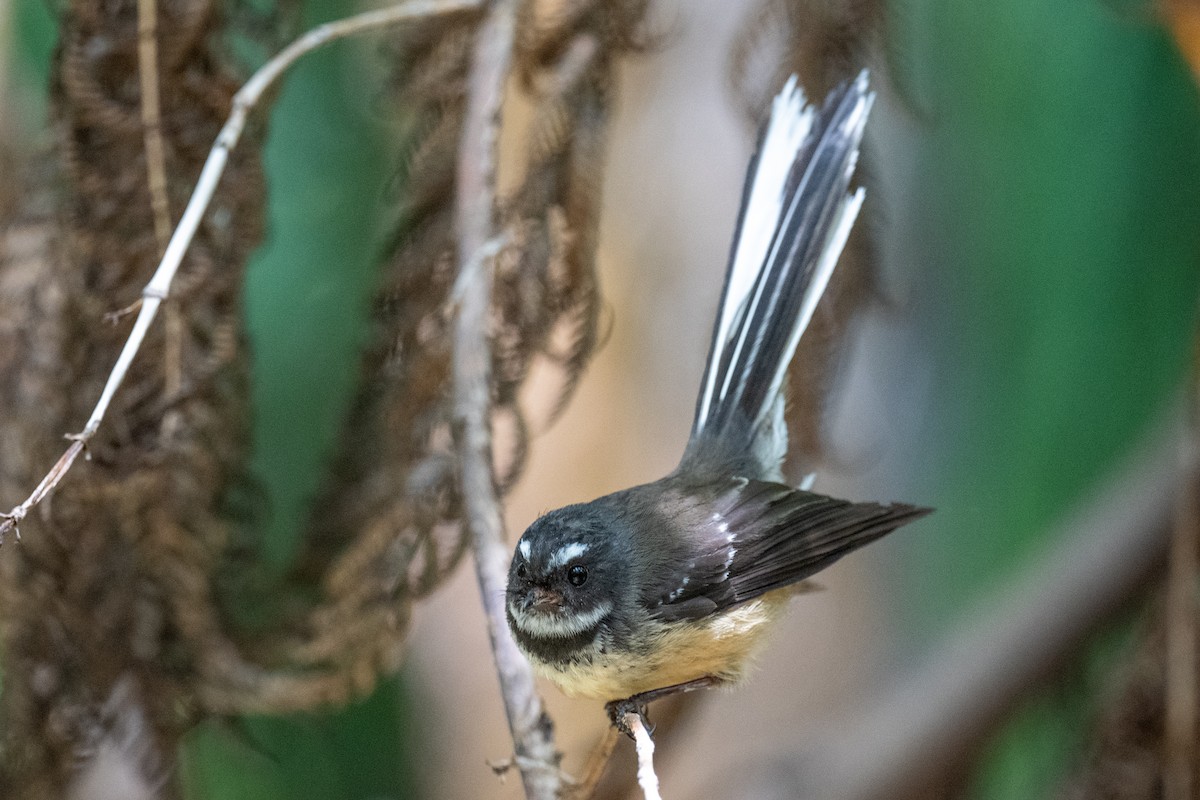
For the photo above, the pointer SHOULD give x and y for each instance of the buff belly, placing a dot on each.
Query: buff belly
(720, 646)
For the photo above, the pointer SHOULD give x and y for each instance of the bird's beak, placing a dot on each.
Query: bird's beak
(544, 601)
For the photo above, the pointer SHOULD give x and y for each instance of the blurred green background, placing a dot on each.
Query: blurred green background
(1054, 287)
(1062, 169)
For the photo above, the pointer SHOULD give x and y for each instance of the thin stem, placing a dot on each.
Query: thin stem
(151, 105)
(160, 206)
(596, 764)
(1179, 757)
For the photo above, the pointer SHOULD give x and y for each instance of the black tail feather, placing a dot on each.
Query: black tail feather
(784, 250)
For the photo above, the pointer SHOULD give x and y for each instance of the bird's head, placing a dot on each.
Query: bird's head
(566, 575)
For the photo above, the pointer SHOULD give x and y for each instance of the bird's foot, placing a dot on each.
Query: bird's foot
(618, 709)
(637, 704)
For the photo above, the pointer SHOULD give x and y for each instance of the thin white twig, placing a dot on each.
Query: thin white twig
(160, 283)
(647, 777)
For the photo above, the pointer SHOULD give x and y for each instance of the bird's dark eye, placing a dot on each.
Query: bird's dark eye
(522, 570)
(577, 575)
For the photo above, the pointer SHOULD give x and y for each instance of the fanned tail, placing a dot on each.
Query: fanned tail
(796, 216)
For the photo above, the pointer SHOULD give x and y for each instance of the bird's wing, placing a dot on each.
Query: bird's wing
(760, 536)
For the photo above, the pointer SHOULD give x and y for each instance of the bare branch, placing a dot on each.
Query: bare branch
(1107, 554)
(532, 729)
(160, 283)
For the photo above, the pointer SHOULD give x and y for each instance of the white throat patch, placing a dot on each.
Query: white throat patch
(554, 626)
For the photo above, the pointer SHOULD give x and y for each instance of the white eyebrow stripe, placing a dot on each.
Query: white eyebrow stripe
(565, 553)
(524, 548)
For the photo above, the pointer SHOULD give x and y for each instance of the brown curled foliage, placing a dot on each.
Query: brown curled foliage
(388, 518)
(90, 597)
(823, 42)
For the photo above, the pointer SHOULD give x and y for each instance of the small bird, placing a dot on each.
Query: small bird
(669, 586)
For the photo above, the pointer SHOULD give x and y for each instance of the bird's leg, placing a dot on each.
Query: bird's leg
(636, 704)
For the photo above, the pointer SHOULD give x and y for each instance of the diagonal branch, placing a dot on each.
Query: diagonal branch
(934, 718)
(160, 283)
(1179, 736)
(532, 729)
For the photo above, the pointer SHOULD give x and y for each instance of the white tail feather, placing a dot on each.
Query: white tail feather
(790, 124)
(779, 239)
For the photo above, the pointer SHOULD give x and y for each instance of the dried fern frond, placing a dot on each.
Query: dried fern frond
(87, 599)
